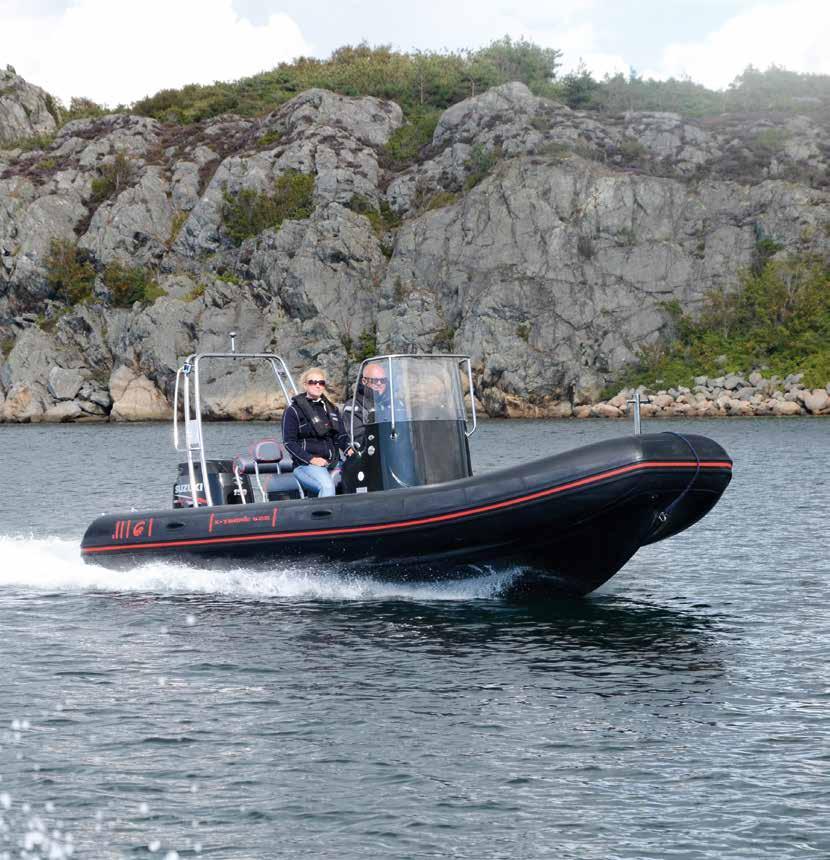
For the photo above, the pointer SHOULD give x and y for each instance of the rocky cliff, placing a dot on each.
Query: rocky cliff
(539, 240)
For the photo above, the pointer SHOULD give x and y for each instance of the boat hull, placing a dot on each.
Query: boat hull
(574, 519)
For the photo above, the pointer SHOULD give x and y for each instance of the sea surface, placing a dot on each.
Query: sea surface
(682, 711)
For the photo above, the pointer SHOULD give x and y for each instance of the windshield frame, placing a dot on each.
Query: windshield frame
(463, 361)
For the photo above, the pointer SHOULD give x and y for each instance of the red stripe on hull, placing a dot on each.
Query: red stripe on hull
(561, 488)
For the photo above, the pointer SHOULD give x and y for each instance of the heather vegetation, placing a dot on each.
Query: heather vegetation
(777, 321)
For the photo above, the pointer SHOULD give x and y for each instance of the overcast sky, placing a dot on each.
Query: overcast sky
(116, 52)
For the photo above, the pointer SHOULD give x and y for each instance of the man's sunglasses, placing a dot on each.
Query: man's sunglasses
(321, 382)
(368, 379)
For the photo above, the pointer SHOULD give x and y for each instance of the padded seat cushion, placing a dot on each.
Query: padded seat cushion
(268, 456)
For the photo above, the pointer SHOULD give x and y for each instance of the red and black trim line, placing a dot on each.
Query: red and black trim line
(402, 524)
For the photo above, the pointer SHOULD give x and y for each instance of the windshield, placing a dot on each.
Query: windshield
(416, 388)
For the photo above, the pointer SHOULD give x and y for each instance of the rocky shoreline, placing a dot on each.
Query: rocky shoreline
(723, 396)
(131, 396)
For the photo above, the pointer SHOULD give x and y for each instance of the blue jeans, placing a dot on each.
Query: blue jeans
(315, 479)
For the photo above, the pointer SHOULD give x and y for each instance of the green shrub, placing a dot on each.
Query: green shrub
(114, 177)
(248, 213)
(68, 273)
(406, 142)
(632, 150)
(6, 345)
(81, 108)
(130, 284)
(779, 318)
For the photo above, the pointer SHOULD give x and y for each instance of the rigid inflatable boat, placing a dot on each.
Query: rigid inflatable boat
(409, 506)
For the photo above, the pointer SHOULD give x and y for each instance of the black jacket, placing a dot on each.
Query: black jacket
(369, 408)
(303, 441)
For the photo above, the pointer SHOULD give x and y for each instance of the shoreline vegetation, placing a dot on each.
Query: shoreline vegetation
(759, 348)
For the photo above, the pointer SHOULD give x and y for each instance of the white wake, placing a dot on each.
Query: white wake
(55, 565)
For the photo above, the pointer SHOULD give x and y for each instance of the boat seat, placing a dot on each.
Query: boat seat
(268, 456)
(271, 466)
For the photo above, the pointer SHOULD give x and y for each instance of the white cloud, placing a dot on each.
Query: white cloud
(114, 51)
(579, 45)
(793, 34)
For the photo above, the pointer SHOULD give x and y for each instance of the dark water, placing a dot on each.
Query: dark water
(681, 712)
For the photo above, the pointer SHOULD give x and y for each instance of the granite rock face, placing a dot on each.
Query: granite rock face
(542, 241)
(25, 110)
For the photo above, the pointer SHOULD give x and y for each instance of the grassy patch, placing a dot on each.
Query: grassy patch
(230, 278)
(248, 213)
(30, 144)
(196, 293)
(440, 200)
(778, 319)
(176, 225)
(268, 140)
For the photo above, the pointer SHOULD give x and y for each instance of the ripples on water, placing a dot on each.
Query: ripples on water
(680, 712)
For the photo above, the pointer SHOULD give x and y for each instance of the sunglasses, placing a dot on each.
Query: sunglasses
(380, 379)
(321, 382)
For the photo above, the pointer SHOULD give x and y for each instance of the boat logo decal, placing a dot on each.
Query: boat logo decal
(126, 529)
(242, 520)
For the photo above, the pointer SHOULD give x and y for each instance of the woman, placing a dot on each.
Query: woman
(312, 432)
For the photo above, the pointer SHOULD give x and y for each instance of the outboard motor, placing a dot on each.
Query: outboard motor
(224, 488)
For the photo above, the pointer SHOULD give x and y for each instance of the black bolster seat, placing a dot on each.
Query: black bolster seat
(271, 466)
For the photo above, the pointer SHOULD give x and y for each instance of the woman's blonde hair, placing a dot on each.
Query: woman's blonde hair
(313, 373)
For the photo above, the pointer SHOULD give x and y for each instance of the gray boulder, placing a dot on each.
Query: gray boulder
(25, 110)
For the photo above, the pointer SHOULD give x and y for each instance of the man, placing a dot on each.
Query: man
(371, 405)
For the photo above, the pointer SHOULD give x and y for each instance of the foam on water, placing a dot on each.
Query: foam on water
(54, 564)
